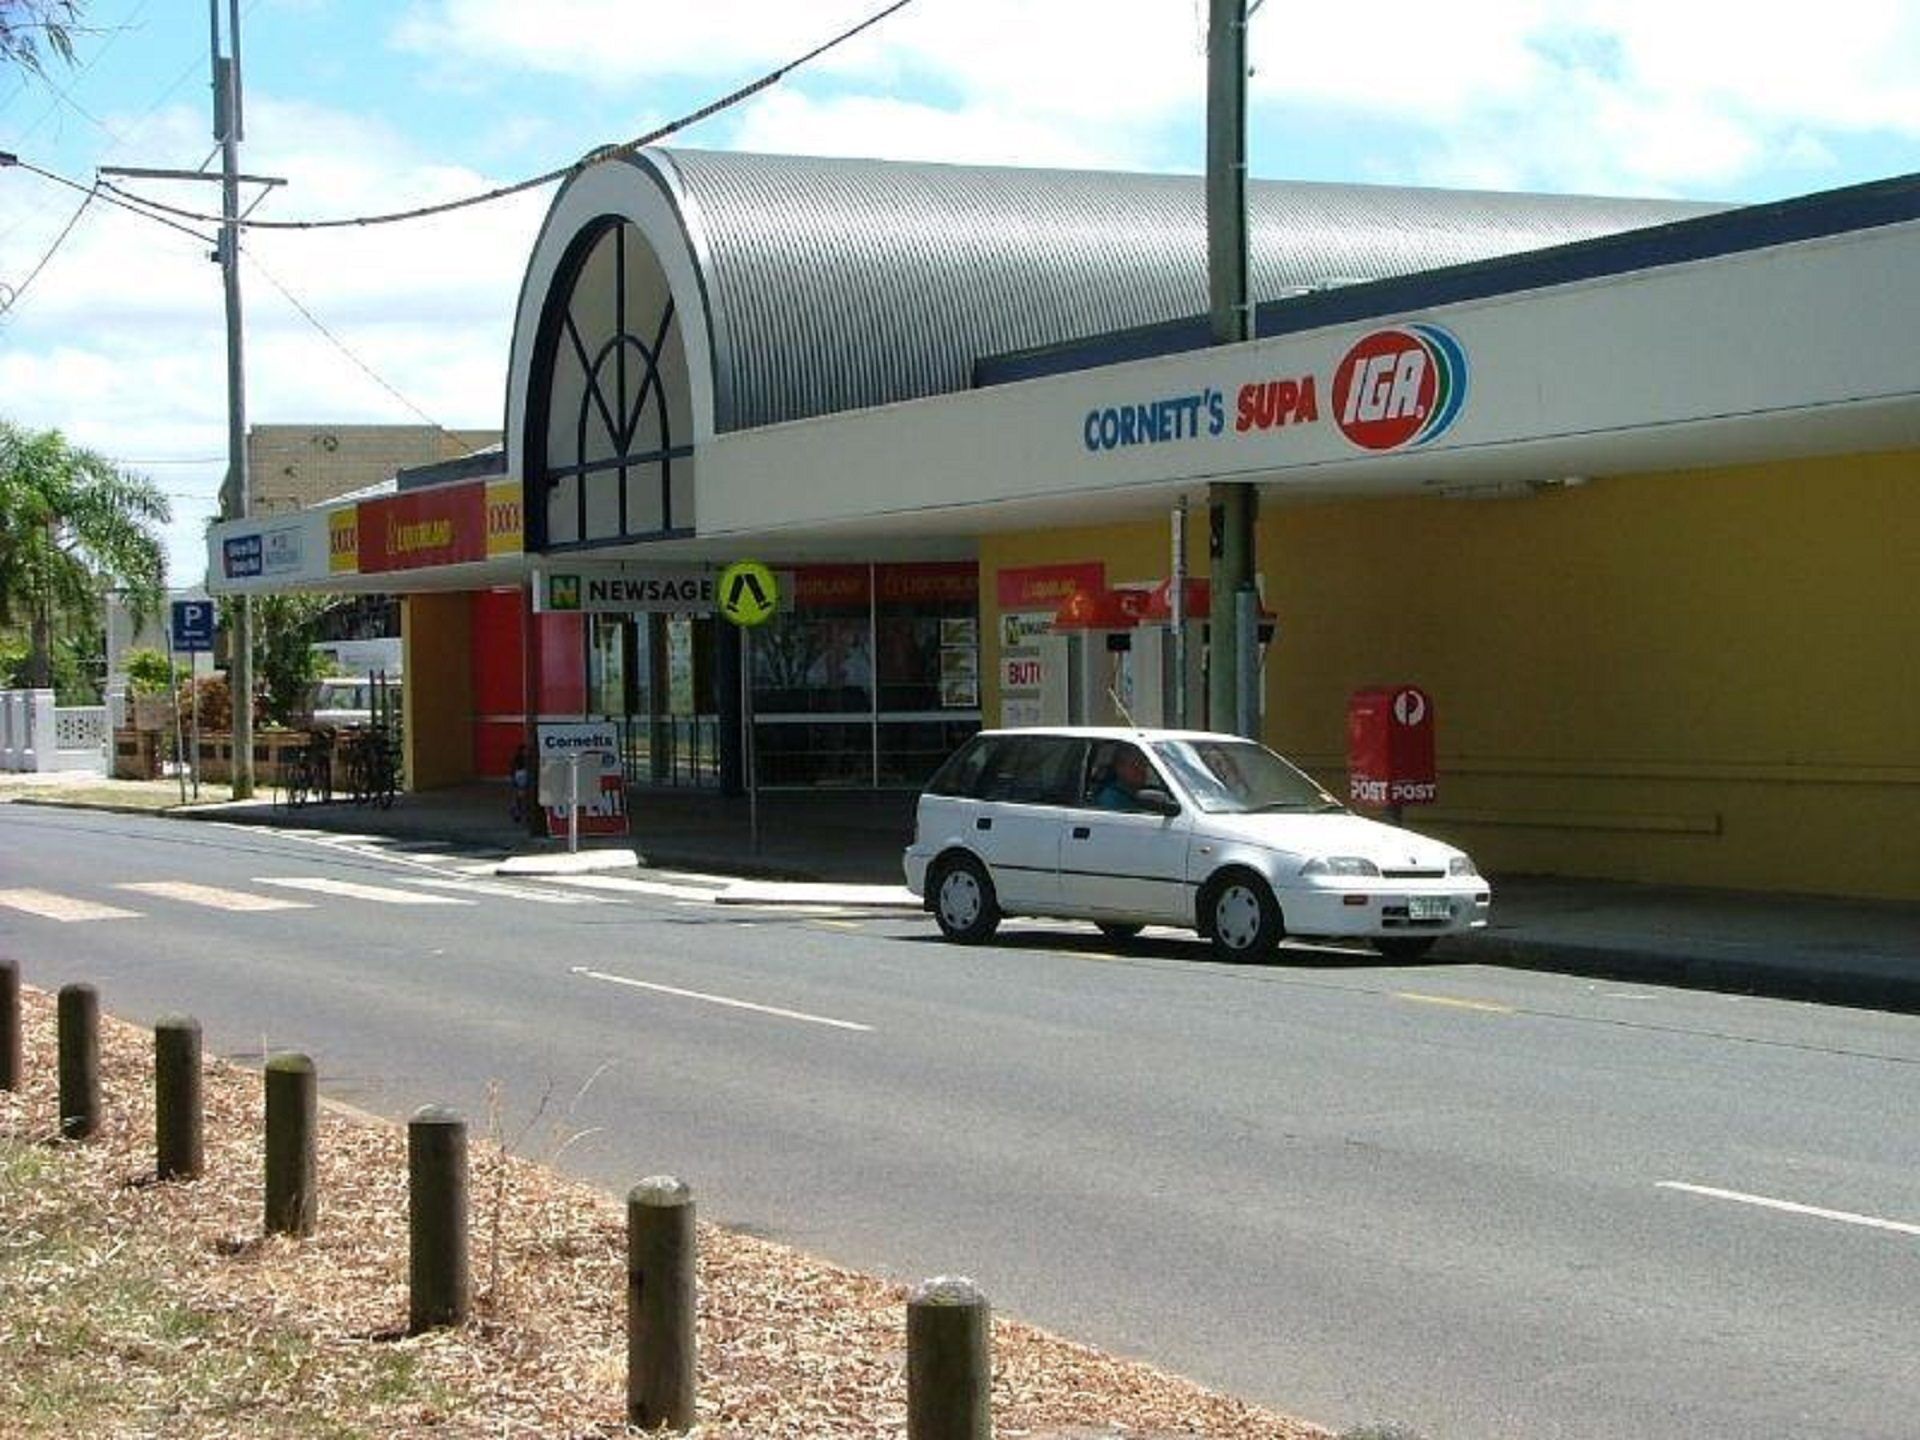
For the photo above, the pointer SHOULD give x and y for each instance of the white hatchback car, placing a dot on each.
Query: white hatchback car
(1212, 832)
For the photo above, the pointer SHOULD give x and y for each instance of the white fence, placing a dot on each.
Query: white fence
(36, 734)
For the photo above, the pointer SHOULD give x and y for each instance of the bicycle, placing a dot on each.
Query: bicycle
(373, 769)
(309, 771)
(296, 778)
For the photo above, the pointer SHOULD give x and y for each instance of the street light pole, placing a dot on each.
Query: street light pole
(235, 498)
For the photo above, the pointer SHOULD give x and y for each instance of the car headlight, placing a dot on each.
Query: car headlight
(1341, 865)
(1461, 865)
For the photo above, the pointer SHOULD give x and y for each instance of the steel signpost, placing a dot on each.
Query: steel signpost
(191, 633)
(748, 597)
(574, 754)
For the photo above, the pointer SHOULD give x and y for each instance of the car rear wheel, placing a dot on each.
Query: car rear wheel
(964, 905)
(1403, 949)
(1240, 916)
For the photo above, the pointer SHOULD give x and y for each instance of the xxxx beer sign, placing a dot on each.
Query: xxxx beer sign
(343, 541)
(506, 534)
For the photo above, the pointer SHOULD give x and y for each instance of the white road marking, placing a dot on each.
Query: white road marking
(376, 893)
(64, 908)
(631, 887)
(1490, 1007)
(726, 1000)
(506, 892)
(804, 912)
(211, 896)
(1791, 1207)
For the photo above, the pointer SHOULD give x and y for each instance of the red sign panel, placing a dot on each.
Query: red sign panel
(1390, 747)
(936, 582)
(825, 587)
(1046, 587)
(443, 526)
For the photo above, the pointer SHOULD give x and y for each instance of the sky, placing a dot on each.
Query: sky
(115, 334)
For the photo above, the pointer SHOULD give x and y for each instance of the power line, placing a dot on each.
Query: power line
(133, 204)
(725, 102)
(338, 343)
(12, 294)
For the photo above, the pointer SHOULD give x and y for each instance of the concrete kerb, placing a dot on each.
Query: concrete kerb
(569, 862)
(1859, 989)
(881, 898)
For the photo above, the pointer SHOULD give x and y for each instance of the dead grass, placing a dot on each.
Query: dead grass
(129, 1308)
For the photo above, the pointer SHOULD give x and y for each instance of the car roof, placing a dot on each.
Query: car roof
(1116, 732)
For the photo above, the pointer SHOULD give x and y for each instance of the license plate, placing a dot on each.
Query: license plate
(1429, 907)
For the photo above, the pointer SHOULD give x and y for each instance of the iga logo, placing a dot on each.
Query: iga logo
(1400, 387)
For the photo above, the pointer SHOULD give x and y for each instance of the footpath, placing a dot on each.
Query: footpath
(843, 848)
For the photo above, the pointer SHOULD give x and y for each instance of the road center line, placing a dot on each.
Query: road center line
(1791, 1207)
(721, 1000)
(1486, 1006)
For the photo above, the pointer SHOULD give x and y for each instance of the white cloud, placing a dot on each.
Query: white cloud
(121, 341)
(795, 124)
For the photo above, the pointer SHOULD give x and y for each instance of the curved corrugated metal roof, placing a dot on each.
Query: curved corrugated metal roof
(840, 284)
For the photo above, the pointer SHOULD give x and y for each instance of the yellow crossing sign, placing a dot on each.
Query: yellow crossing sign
(748, 593)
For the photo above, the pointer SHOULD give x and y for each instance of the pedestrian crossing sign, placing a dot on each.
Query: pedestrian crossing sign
(748, 593)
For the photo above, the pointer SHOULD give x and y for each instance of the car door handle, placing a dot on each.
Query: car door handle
(985, 822)
(1082, 832)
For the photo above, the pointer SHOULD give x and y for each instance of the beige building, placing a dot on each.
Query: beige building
(291, 466)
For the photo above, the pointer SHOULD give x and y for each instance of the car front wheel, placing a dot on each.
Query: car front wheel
(1241, 917)
(964, 906)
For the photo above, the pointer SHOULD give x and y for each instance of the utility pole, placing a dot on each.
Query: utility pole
(234, 500)
(235, 493)
(1230, 504)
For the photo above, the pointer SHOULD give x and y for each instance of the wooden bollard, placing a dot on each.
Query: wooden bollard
(293, 1109)
(949, 1361)
(79, 1029)
(9, 1024)
(178, 1150)
(660, 1304)
(437, 1283)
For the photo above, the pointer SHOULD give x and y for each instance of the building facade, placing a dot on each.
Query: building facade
(1620, 485)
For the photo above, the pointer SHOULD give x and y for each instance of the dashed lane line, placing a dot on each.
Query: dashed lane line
(1793, 1207)
(726, 1000)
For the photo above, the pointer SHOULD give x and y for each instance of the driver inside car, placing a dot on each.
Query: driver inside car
(1126, 778)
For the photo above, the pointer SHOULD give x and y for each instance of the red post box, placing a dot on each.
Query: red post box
(1390, 747)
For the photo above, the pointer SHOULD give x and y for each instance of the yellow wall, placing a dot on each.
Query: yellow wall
(1699, 678)
(439, 689)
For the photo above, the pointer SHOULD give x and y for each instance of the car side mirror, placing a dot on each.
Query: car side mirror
(1159, 802)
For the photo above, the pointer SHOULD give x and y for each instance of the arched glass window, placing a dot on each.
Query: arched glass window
(609, 426)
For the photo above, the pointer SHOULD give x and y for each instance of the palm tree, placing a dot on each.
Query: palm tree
(72, 526)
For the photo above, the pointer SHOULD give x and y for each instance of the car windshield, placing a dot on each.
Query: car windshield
(1237, 777)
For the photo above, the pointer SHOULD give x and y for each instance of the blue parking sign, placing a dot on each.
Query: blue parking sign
(193, 625)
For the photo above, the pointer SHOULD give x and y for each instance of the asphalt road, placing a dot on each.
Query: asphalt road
(1475, 1202)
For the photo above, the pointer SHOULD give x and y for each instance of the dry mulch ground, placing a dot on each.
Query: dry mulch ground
(129, 1308)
